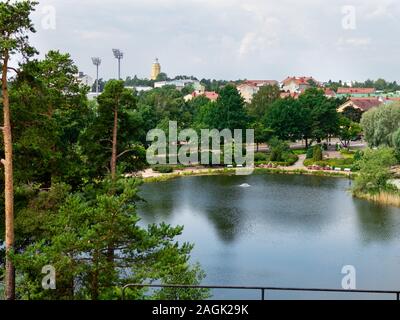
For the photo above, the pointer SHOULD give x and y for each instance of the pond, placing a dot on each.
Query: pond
(280, 230)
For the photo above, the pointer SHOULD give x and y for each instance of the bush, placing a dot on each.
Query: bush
(277, 147)
(310, 153)
(260, 156)
(163, 168)
(375, 171)
(317, 153)
(358, 155)
(334, 163)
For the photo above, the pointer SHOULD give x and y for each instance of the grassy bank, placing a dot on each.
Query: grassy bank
(386, 198)
(225, 171)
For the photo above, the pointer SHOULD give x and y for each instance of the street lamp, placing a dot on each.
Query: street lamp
(97, 62)
(118, 54)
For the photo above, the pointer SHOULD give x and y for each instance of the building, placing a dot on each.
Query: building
(139, 88)
(329, 93)
(356, 92)
(155, 70)
(363, 104)
(180, 84)
(297, 84)
(212, 95)
(85, 79)
(249, 88)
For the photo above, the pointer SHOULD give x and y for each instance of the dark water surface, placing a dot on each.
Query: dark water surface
(283, 230)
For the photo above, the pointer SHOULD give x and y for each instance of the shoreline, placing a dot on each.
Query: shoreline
(149, 175)
(383, 198)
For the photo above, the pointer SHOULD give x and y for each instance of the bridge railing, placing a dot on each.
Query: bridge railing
(262, 290)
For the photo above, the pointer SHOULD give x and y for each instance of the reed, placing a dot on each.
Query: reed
(386, 198)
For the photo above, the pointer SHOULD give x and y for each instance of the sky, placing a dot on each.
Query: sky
(227, 39)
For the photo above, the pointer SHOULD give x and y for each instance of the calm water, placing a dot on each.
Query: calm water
(283, 230)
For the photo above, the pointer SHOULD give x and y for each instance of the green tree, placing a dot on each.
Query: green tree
(287, 119)
(262, 100)
(348, 131)
(396, 141)
(229, 112)
(380, 124)
(15, 24)
(317, 153)
(75, 234)
(375, 171)
(353, 114)
(49, 110)
(117, 130)
(323, 120)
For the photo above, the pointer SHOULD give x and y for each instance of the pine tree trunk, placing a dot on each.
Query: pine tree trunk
(113, 163)
(8, 187)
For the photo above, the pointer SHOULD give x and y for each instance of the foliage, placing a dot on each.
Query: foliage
(317, 153)
(130, 153)
(163, 168)
(348, 131)
(49, 110)
(260, 156)
(375, 171)
(262, 100)
(76, 233)
(229, 112)
(15, 23)
(353, 114)
(380, 124)
(286, 118)
(333, 163)
(310, 153)
(396, 140)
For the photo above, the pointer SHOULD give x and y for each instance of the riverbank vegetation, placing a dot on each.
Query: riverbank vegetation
(378, 166)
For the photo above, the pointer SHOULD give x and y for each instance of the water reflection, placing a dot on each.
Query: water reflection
(282, 230)
(377, 222)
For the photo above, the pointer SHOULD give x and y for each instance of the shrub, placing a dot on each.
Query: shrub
(375, 171)
(163, 168)
(310, 153)
(277, 147)
(317, 153)
(358, 155)
(260, 156)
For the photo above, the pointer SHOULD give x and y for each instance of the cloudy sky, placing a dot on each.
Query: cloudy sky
(227, 39)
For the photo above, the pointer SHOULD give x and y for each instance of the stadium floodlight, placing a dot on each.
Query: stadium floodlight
(118, 54)
(97, 62)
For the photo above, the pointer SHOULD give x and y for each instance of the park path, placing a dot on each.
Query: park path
(299, 164)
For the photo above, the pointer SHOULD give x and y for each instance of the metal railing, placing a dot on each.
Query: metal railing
(262, 290)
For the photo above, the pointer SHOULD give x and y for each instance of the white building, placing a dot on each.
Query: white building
(85, 79)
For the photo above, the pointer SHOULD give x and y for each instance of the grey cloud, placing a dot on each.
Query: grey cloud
(228, 39)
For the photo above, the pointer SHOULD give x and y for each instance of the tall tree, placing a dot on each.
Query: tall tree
(115, 127)
(262, 100)
(15, 24)
(229, 112)
(287, 119)
(49, 109)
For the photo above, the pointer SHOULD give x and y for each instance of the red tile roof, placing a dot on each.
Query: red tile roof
(365, 104)
(329, 93)
(299, 80)
(288, 94)
(259, 83)
(355, 90)
(212, 95)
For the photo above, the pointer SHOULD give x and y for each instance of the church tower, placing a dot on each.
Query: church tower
(155, 70)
